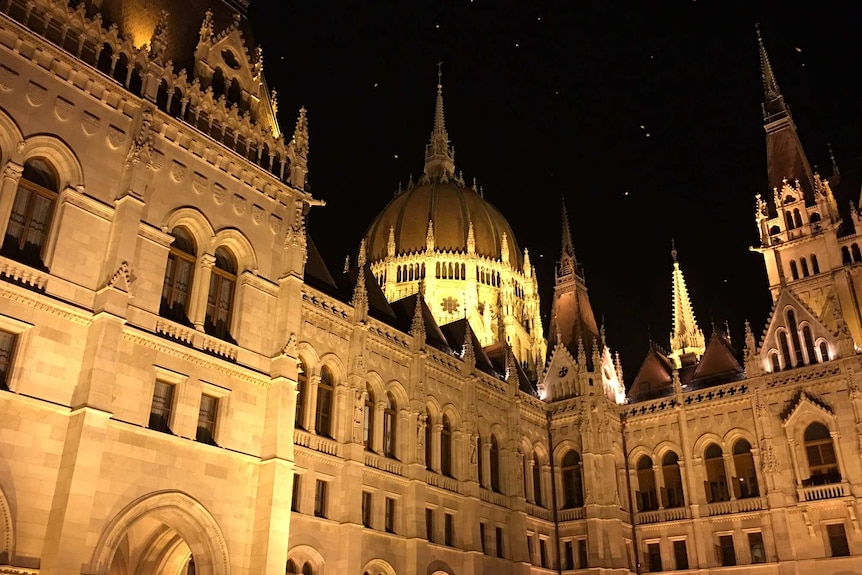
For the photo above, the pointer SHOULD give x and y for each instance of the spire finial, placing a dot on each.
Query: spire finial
(773, 103)
(686, 337)
(673, 249)
(439, 156)
(568, 264)
(835, 170)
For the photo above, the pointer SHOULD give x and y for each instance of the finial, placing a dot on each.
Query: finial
(835, 170)
(673, 250)
(440, 77)
(773, 104)
(347, 263)
(439, 155)
(360, 294)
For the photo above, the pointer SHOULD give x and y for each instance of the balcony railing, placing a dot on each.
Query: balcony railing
(662, 515)
(315, 442)
(540, 512)
(23, 274)
(194, 338)
(492, 497)
(819, 492)
(441, 481)
(735, 506)
(572, 514)
(386, 464)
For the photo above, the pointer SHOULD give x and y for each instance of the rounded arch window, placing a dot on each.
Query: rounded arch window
(179, 272)
(573, 492)
(672, 493)
(716, 476)
(446, 447)
(745, 482)
(646, 495)
(368, 418)
(301, 389)
(324, 407)
(32, 209)
(221, 295)
(495, 463)
(820, 450)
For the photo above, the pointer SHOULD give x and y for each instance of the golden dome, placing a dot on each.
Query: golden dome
(452, 208)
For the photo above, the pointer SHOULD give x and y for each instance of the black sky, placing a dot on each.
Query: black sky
(546, 100)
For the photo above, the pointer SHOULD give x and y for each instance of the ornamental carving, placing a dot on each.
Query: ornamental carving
(36, 94)
(7, 77)
(115, 136)
(90, 123)
(63, 108)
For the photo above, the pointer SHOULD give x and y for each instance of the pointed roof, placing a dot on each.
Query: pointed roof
(653, 379)
(686, 336)
(405, 311)
(718, 364)
(786, 158)
(456, 333)
(439, 156)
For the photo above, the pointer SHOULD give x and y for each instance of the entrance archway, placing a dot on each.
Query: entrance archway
(163, 532)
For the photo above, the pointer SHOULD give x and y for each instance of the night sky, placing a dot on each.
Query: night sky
(644, 116)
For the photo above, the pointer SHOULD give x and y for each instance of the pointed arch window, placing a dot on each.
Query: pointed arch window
(794, 271)
(429, 435)
(647, 500)
(221, 294)
(389, 426)
(788, 218)
(290, 569)
(808, 339)
(745, 482)
(794, 336)
(815, 267)
(495, 464)
(368, 419)
(824, 351)
(32, 209)
(301, 389)
(573, 492)
(785, 349)
(480, 461)
(178, 277)
(323, 411)
(845, 256)
(805, 272)
(776, 364)
(673, 494)
(820, 450)
(307, 570)
(716, 476)
(857, 255)
(446, 447)
(797, 218)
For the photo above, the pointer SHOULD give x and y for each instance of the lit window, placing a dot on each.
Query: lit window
(745, 484)
(221, 294)
(822, 464)
(325, 390)
(301, 385)
(207, 419)
(160, 409)
(32, 209)
(389, 427)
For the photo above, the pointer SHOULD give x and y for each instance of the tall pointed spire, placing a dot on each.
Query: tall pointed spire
(568, 263)
(439, 156)
(686, 339)
(773, 101)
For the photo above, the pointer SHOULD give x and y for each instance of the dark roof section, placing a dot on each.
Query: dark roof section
(454, 333)
(653, 379)
(316, 273)
(404, 310)
(499, 354)
(378, 307)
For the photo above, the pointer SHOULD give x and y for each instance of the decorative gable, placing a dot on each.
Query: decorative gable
(805, 409)
(560, 379)
(612, 384)
(794, 336)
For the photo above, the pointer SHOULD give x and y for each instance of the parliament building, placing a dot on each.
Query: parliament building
(187, 389)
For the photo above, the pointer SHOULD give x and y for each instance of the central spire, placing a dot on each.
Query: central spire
(774, 107)
(686, 340)
(568, 263)
(439, 155)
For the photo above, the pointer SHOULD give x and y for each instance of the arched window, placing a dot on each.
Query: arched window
(368, 419)
(776, 365)
(788, 219)
(463, 271)
(794, 336)
(809, 344)
(647, 500)
(537, 479)
(234, 93)
(480, 463)
(716, 477)
(429, 434)
(845, 256)
(446, 447)
(673, 494)
(822, 464)
(437, 269)
(824, 351)
(301, 387)
(573, 491)
(857, 255)
(389, 427)
(290, 569)
(794, 271)
(307, 570)
(797, 218)
(31, 214)
(495, 464)
(190, 567)
(745, 482)
(220, 297)
(323, 412)
(178, 277)
(218, 83)
(805, 272)
(815, 267)
(785, 349)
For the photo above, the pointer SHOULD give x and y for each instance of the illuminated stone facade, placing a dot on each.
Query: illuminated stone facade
(184, 382)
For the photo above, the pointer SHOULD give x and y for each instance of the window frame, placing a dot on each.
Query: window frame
(16, 252)
(220, 276)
